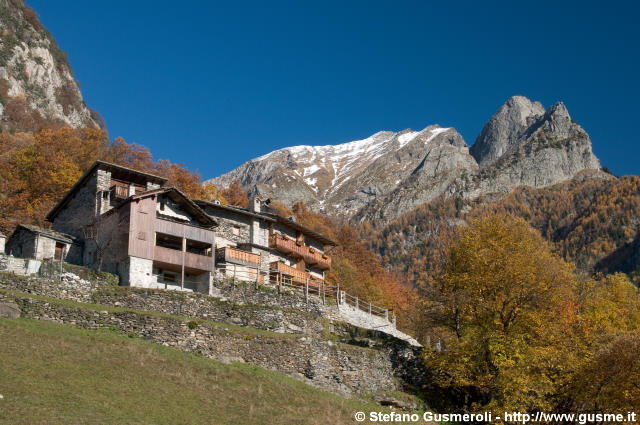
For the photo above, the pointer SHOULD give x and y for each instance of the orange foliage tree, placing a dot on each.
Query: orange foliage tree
(36, 170)
(234, 195)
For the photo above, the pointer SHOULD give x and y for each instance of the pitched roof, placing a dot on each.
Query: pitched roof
(180, 197)
(129, 172)
(59, 236)
(237, 210)
(272, 217)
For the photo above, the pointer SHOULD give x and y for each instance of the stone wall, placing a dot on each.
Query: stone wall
(233, 228)
(310, 324)
(109, 242)
(19, 266)
(81, 209)
(22, 243)
(323, 363)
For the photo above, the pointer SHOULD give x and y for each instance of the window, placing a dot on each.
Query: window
(105, 195)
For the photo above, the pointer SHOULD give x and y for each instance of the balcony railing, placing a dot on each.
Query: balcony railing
(237, 256)
(297, 249)
(296, 276)
(119, 192)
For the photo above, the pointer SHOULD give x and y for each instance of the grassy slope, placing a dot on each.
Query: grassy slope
(51, 373)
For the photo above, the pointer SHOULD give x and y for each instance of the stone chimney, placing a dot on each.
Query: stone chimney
(255, 204)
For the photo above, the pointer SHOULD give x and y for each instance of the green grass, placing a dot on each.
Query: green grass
(59, 374)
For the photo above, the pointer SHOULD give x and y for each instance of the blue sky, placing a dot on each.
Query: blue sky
(213, 84)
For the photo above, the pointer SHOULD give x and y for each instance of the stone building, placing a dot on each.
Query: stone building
(101, 188)
(149, 235)
(258, 239)
(28, 241)
(128, 223)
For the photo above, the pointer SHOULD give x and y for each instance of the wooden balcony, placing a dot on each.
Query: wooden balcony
(287, 246)
(317, 259)
(298, 277)
(237, 256)
(296, 249)
(119, 192)
(174, 257)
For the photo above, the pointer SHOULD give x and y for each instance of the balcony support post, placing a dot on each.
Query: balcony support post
(306, 291)
(323, 294)
(184, 250)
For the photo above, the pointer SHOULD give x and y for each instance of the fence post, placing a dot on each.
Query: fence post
(278, 282)
(393, 320)
(386, 313)
(428, 341)
(369, 309)
(306, 290)
(357, 304)
(323, 294)
(338, 293)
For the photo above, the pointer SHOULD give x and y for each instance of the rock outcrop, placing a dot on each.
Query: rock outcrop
(505, 128)
(37, 86)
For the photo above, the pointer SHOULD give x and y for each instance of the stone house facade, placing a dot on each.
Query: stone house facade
(258, 239)
(29, 241)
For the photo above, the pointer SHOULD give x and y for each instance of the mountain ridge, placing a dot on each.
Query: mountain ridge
(389, 173)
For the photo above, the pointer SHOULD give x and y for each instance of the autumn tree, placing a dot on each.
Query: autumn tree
(36, 170)
(235, 195)
(609, 382)
(36, 174)
(507, 301)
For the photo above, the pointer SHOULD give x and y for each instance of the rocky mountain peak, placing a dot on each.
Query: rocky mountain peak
(388, 174)
(504, 128)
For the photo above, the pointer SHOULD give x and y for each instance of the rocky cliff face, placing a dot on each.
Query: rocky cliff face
(36, 83)
(388, 174)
